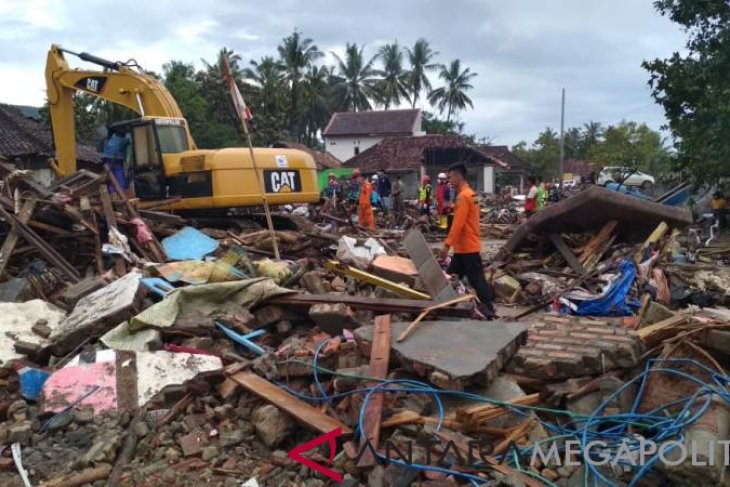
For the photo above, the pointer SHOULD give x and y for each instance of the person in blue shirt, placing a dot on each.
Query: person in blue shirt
(114, 155)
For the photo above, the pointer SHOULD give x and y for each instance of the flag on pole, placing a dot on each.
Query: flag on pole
(238, 101)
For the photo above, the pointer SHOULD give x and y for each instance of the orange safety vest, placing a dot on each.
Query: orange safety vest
(465, 237)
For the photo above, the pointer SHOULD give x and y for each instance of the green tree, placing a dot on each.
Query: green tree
(573, 139)
(431, 124)
(393, 86)
(355, 81)
(632, 145)
(179, 79)
(268, 100)
(421, 59)
(317, 98)
(452, 97)
(297, 55)
(543, 155)
(223, 122)
(692, 87)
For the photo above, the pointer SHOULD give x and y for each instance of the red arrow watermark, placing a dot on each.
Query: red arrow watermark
(296, 454)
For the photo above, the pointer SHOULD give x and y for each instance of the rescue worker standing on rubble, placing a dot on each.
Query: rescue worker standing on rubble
(719, 209)
(444, 198)
(397, 192)
(365, 215)
(353, 191)
(464, 239)
(115, 152)
(424, 197)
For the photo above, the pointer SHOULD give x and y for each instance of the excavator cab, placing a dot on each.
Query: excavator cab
(151, 138)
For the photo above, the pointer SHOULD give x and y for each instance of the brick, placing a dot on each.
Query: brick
(193, 443)
(333, 318)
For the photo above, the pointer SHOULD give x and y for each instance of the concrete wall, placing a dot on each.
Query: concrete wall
(488, 184)
(344, 147)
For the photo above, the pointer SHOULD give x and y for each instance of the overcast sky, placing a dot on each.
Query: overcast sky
(524, 51)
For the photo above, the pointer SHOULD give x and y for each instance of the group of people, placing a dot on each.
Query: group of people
(362, 195)
(457, 206)
(445, 196)
(539, 194)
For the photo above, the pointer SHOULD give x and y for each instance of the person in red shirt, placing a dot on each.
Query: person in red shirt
(465, 240)
(531, 198)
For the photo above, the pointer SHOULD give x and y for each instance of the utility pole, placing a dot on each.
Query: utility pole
(562, 138)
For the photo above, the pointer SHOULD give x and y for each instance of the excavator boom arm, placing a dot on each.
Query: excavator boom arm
(117, 83)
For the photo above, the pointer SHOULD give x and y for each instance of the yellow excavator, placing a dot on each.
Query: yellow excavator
(164, 161)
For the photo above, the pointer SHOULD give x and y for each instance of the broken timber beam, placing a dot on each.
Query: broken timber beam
(46, 250)
(377, 281)
(383, 305)
(379, 360)
(597, 242)
(12, 239)
(568, 255)
(154, 245)
(299, 409)
(655, 236)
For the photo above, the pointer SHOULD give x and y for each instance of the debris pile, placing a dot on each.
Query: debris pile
(143, 348)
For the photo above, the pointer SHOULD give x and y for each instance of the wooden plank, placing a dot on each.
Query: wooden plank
(162, 217)
(106, 204)
(154, 246)
(567, 254)
(649, 334)
(382, 305)
(302, 411)
(12, 239)
(46, 250)
(345, 270)
(655, 236)
(379, 360)
(597, 242)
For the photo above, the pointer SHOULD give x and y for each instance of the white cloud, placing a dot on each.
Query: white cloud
(524, 51)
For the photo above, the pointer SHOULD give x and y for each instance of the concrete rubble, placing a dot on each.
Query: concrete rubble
(192, 357)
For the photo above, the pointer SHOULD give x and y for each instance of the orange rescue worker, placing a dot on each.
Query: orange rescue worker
(365, 215)
(465, 240)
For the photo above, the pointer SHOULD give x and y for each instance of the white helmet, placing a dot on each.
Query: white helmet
(375, 177)
(442, 175)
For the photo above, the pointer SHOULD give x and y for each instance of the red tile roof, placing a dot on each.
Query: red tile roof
(379, 122)
(408, 153)
(22, 137)
(324, 160)
(503, 154)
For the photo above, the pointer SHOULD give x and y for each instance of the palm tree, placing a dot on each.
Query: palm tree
(420, 58)
(297, 54)
(355, 81)
(316, 98)
(393, 85)
(267, 77)
(452, 96)
(213, 87)
(592, 131)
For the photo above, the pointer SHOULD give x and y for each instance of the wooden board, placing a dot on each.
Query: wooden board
(302, 411)
(12, 239)
(379, 360)
(567, 254)
(597, 243)
(387, 305)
